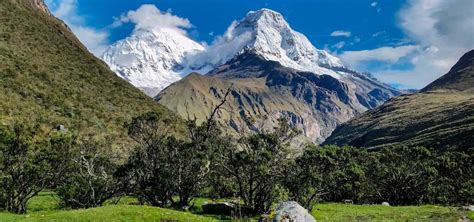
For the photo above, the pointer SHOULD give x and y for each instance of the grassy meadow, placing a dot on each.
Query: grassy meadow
(45, 207)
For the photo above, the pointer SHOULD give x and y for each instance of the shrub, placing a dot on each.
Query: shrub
(257, 165)
(163, 166)
(88, 180)
(24, 171)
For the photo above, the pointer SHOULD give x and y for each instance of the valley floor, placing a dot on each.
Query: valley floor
(45, 208)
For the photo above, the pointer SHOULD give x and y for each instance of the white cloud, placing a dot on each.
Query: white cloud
(442, 32)
(381, 33)
(95, 40)
(340, 33)
(149, 17)
(384, 54)
(339, 45)
(223, 48)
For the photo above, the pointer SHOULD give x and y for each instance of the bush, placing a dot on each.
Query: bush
(88, 181)
(402, 176)
(25, 168)
(163, 166)
(455, 180)
(256, 164)
(328, 173)
(399, 175)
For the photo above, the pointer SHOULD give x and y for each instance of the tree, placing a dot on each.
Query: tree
(455, 180)
(328, 173)
(402, 175)
(163, 166)
(256, 165)
(24, 171)
(88, 181)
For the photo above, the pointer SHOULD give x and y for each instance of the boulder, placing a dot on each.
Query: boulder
(223, 208)
(291, 211)
(61, 128)
(385, 204)
(468, 208)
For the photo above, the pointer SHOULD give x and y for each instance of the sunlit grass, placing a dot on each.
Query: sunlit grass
(45, 207)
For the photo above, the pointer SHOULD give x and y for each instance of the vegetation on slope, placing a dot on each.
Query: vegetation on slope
(48, 78)
(440, 116)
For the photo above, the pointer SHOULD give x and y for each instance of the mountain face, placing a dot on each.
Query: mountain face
(267, 34)
(263, 91)
(48, 78)
(151, 60)
(275, 73)
(440, 116)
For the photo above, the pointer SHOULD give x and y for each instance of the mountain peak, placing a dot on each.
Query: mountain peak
(151, 59)
(264, 17)
(460, 77)
(270, 36)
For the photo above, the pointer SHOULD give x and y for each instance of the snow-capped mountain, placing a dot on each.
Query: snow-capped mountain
(267, 34)
(151, 59)
(274, 72)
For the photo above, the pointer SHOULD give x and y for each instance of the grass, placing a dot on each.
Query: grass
(344, 212)
(44, 207)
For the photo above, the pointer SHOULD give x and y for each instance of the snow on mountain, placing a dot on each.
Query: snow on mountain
(151, 60)
(266, 33)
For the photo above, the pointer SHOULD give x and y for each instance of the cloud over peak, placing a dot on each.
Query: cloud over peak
(341, 33)
(149, 17)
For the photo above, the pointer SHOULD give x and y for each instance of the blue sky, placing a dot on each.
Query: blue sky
(406, 43)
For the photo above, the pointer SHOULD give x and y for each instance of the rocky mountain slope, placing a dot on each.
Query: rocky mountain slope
(440, 116)
(276, 72)
(48, 78)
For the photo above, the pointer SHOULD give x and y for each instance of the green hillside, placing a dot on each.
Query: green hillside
(48, 78)
(440, 116)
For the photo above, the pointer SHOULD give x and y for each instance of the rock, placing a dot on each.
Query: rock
(348, 201)
(385, 204)
(264, 218)
(61, 128)
(291, 211)
(223, 208)
(468, 208)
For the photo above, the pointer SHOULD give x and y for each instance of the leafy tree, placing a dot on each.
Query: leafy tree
(256, 165)
(24, 170)
(88, 180)
(402, 175)
(455, 180)
(328, 173)
(163, 166)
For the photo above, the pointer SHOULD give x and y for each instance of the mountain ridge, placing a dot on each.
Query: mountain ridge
(263, 91)
(441, 115)
(264, 32)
